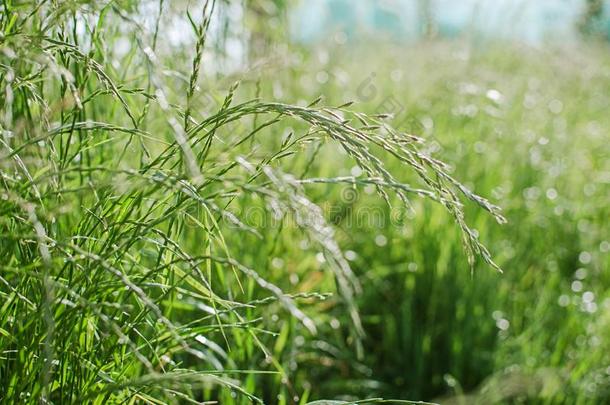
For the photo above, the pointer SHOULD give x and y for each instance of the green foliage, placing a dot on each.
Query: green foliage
(526, 127)
(126, 273)
(167, 236)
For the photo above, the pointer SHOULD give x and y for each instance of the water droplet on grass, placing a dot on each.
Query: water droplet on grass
(584, 257)
(381, 240)
(503, 324)
(576, 286)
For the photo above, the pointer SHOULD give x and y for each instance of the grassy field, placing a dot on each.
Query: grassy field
(173, 234)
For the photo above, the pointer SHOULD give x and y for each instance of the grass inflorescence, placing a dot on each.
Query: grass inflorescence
(129, 269)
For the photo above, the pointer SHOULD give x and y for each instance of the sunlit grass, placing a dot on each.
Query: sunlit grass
(171, 235)
(123, 275)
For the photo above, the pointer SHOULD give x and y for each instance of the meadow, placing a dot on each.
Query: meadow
(330, 223)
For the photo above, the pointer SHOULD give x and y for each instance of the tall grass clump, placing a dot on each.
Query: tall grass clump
(130, 271)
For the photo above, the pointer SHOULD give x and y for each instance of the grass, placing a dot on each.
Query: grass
(169, 236)
(536, 333)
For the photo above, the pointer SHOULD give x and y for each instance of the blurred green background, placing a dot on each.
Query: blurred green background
(523, 115)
